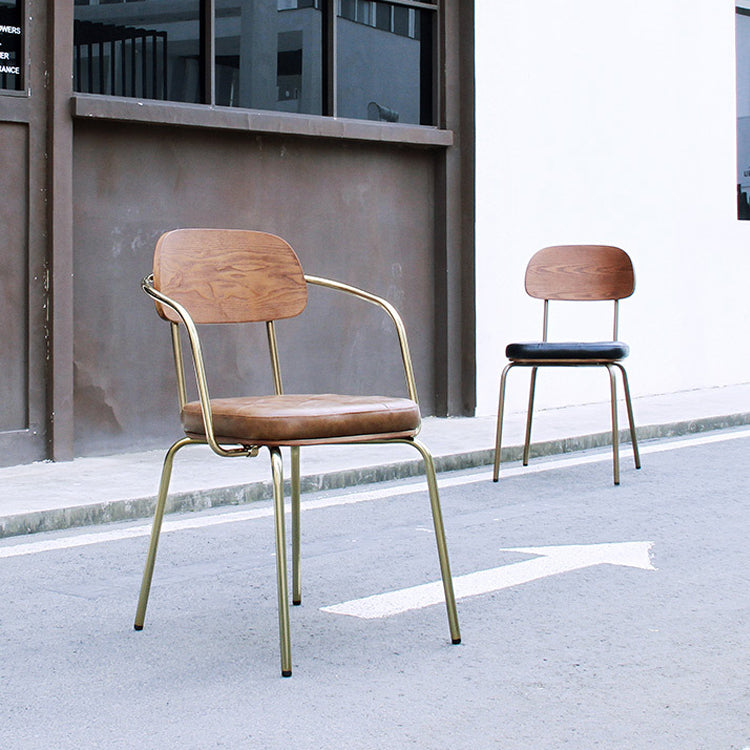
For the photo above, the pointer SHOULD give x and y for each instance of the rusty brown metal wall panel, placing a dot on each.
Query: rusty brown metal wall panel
(23, 278)
(14, 261)
(361, 213)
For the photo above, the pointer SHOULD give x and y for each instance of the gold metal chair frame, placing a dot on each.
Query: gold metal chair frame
(540, 287)
(277, 465)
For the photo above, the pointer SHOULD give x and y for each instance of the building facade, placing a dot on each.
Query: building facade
(349, 127)
(344, 126)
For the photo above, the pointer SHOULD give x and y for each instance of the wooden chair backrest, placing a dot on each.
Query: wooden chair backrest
(229, 275)
(580, 272)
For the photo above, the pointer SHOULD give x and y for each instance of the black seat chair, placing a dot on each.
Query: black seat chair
(575, 273)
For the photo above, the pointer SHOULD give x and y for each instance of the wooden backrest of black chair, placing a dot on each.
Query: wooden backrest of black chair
(580, 272)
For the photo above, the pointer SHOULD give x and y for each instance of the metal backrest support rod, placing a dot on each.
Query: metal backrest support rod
(274, 352)
(179, 364)
(616, 329)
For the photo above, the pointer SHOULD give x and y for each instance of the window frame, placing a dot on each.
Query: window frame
(22, 88)
(210, 115)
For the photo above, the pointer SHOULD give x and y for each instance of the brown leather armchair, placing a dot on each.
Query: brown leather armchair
(235, 276)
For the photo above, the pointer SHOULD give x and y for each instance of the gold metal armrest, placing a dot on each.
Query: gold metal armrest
(392, 312)
(147, 284)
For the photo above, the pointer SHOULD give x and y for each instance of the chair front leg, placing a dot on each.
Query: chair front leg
(529, 415)
(499, 429)
(437, 519)
(629, 405)
(161, 501)
(615, 430)
(296, 553)
(277, 471)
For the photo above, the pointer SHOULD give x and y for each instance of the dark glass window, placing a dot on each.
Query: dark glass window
(742, 29)
(401, 20)
(383, 14)
(269, 55)
(348, 9)
(274, 55)
(384, 58)
(11, 45)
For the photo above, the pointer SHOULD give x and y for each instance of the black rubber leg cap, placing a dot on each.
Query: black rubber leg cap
(297, 602)
(456, 641)
(286, 673)
(137, 627)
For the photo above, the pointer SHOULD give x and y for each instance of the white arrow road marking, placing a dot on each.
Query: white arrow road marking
(551, 561)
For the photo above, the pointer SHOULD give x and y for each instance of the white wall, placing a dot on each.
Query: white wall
(606, 122)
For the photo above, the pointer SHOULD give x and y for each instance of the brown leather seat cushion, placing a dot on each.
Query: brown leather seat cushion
(299, 419)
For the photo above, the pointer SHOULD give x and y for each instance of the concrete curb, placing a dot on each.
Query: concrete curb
(57, 519)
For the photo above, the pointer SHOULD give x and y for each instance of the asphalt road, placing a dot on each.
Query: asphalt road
(644, 646)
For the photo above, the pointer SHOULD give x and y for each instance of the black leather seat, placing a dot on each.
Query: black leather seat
(547, 350)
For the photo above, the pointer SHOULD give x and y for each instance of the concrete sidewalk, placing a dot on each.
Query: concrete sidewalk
(47, 496)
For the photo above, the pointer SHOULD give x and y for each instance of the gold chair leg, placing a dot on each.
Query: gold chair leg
(629, 405)
(437, 518)
(296, 554)
(277, 471)
(161, 500)
(499, 429)
(615, 429)
(529, 414)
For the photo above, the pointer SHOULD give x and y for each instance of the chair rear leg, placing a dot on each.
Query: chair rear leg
(296, 553)
(499, 429)
(529, 415)
(629, 405)
(615, 429)
(437, 518)
(161, 500)
(277, 471)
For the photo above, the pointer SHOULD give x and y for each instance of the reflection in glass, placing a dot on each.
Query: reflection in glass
(11, 45)
(269, 55)
(148, 49)
(384, 62)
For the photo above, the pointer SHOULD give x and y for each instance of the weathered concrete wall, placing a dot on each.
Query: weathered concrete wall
(360, 213)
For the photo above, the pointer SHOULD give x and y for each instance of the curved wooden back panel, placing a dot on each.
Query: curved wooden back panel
(580, 272)
(229, 275)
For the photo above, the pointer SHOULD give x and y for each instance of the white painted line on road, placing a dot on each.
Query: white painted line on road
(15, 549)
(551, 561)
(661, 447)
(198, 522)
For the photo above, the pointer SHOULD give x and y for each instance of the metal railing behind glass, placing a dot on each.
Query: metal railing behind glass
(120, 60)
